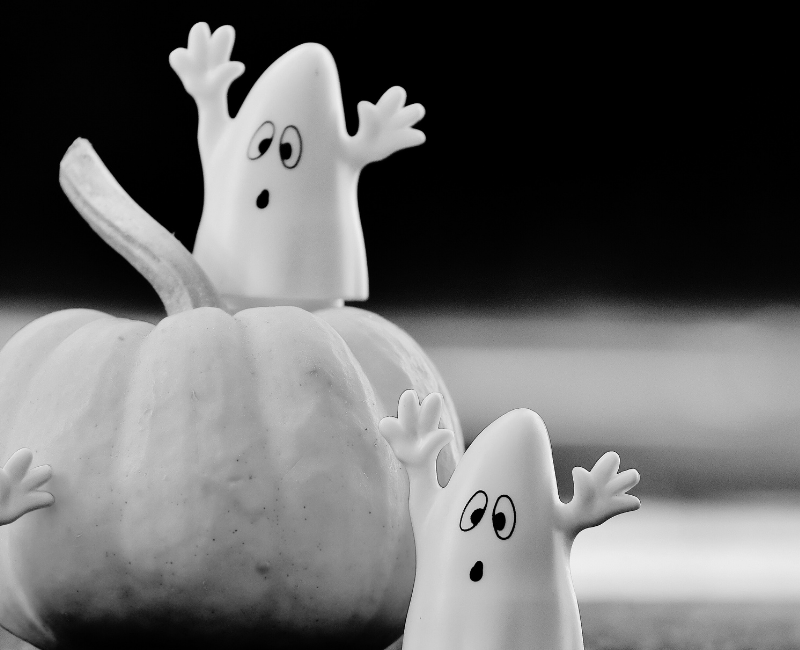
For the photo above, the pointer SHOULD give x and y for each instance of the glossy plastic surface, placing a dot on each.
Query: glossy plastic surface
(493, 546)
(19, 487)
(280, 222)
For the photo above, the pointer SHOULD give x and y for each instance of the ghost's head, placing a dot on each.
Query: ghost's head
(498, 506)
(286, 134)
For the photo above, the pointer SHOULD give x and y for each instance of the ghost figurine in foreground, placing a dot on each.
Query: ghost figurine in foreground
(19, 487)
(493, 546)
(280, 223)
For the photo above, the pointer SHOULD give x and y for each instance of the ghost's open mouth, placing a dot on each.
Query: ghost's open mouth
(263, 199)
(476, 572)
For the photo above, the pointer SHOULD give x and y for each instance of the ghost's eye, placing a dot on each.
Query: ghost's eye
(473, 511)
(504, 517)
(291, 147)
(260, 142)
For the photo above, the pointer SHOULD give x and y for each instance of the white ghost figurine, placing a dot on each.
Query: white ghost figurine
(280, 222)
(493, 546)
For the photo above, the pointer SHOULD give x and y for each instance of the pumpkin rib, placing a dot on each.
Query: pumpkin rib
(39, 339)
(17, 607)
(68, 329)
(364, 334)
(301, 468)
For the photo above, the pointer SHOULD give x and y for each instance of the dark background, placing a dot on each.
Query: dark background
(646, 159)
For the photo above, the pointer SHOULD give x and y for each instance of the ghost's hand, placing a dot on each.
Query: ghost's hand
(416, 439)
(386, 127)
(414, 435)
(600, 494)
(204, 66)
(19, 493)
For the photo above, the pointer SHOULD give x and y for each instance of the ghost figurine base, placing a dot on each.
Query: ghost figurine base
(236, 303)
(493, 546)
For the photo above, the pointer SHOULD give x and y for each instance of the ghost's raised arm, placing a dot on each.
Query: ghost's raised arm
(599, 495)
(19, 487)
(205, 69)
(416, 439)
(385, 127)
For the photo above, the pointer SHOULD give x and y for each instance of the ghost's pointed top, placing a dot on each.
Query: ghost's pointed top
(302, 86)
(512, 451)
(517, 428)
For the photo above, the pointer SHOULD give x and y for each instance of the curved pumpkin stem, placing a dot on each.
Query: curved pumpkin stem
(154, 252)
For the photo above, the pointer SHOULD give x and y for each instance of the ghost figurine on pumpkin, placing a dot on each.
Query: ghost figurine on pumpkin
(280, 223)
(493, 546)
